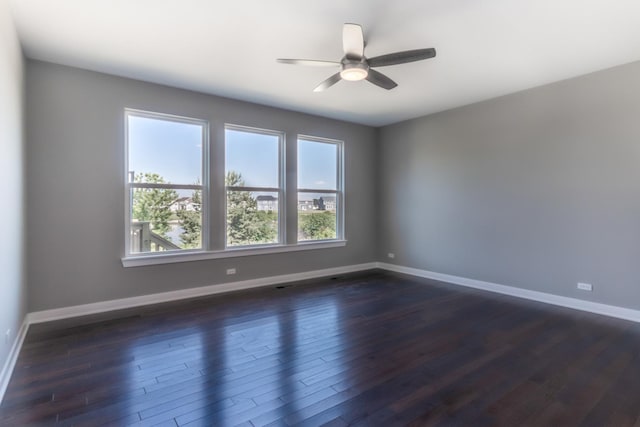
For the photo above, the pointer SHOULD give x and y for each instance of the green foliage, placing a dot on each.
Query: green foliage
(246, 225)
(318, 225)
(153, 204)
(191, 222)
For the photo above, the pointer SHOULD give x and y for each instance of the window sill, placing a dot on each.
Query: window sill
(169, 258)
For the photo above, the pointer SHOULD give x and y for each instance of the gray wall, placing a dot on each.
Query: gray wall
(538, 190)
(12, 271)
(75, 187)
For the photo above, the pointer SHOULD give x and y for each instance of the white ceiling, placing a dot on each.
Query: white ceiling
(486, 48)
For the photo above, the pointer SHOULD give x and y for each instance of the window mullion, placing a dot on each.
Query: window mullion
(252, 189)
(310, 190)
(165, 186)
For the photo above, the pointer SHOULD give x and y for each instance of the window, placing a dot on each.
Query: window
(166, 182)
(253, 180)
(178, 209)
(319, 189)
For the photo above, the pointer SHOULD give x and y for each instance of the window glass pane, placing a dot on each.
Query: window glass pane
(253, 156)
(252, 218)
(164, 151)
(317, 165)
(165, 219)
(317, 216)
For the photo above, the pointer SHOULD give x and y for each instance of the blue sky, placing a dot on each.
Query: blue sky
(316, 165)
(170, 149)
(254, 155)
(174, 151)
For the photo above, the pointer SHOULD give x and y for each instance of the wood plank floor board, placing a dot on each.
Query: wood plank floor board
(615, 402)
(370, 349)
(448, 396)
(249, 387)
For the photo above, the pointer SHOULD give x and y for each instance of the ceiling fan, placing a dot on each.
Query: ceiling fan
(354, 66)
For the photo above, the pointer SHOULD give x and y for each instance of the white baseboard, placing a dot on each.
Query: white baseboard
(577, 304)
(10, 363)
(119, 304)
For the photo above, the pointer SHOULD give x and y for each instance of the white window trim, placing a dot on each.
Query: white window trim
(204, 233)
(339, 191)
(156, 258)
(188, 255)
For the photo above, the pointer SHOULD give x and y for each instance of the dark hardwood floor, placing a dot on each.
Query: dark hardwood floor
(367, 350)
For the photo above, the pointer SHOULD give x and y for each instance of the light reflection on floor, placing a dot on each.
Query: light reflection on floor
(182, 376)
(218, 374)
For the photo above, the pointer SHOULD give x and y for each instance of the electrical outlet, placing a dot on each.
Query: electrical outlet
(585, 286)
(391, 255)
(231, 271)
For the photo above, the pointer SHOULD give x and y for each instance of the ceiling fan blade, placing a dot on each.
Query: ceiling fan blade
(310, 62)
(402, 57)
(353, 41)
(381, 80)
(328, 83)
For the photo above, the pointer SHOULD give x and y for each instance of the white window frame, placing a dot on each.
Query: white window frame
(338, 192)
(204, 187)
(280, 190)
(217, 147)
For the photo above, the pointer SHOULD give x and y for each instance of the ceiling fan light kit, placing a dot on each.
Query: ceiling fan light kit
(354, 70)
(354, 66)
